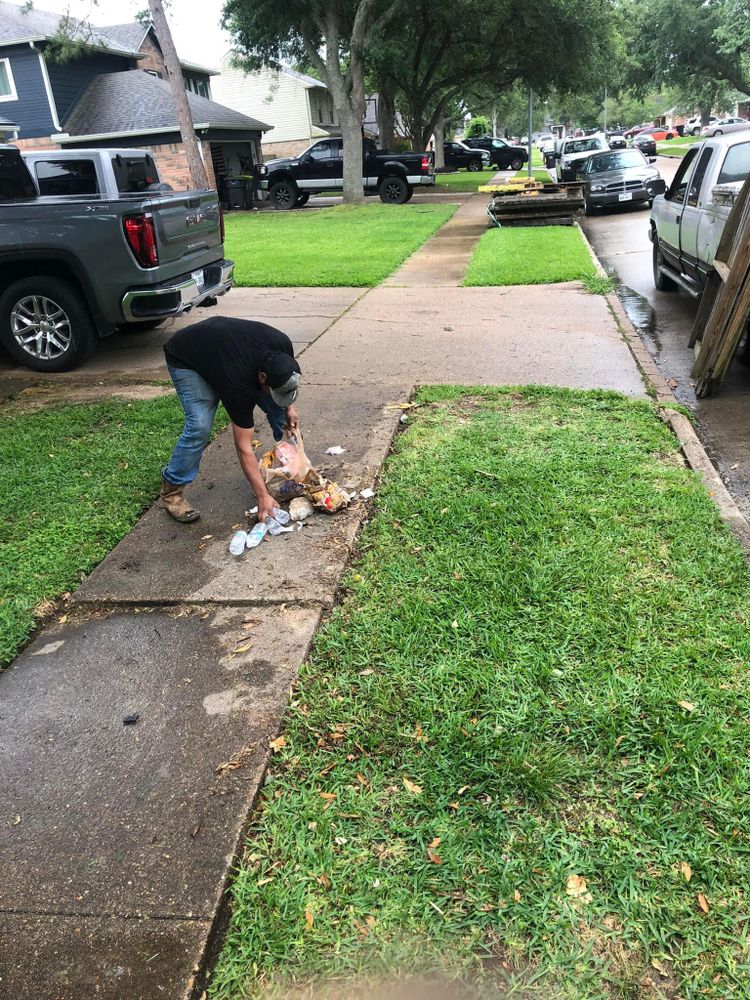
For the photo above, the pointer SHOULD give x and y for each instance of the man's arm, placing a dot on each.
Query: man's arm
(292, 419)
(243, 442)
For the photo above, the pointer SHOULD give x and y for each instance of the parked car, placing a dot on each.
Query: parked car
(619, 176)
(288, 182)
(543, 139)
(687, 222)
(617, 140)
(501, 153)
(91, 241)
(572, 151)
(459, 154)
(694, 125)
(724, 125)
(646, 143)
(632, 132)
(660, 134)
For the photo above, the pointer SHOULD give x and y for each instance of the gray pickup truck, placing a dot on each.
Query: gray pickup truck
(92, 242)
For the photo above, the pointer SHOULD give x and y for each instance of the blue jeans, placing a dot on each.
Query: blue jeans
(199, 400)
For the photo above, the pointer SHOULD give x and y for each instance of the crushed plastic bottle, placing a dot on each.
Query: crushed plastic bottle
(237, 545)
(280, 515)
(274, 528)
(256, 536)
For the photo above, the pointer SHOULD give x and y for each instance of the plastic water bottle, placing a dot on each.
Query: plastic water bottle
(256, 536)
(282, 516)
(237, 545)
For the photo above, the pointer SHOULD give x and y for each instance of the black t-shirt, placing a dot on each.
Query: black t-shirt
(228, 354)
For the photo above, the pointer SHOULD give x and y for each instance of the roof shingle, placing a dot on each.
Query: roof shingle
(19, 24)
(134, 101)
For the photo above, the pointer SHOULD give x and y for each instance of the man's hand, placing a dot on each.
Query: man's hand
(292, 419)
(266, 504)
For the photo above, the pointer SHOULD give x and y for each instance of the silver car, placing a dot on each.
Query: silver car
(620, 176)
(725, 125)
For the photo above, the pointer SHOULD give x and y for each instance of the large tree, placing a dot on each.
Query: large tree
(333, 36)
(697, 47)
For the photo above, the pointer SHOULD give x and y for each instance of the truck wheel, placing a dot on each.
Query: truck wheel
(302, 199)
(662, 283)
(45, 324)
(394, 190)
(283, 195)
(696, 131)
(516, 163)
(474, 165)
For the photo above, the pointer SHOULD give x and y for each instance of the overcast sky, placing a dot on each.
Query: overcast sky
(195, 26)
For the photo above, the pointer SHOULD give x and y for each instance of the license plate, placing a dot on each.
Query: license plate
(198, 278)
(627, 196)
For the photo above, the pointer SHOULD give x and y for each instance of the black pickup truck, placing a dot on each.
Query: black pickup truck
(289, 182)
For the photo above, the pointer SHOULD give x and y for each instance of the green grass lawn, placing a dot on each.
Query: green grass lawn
(348, 246)
(75, 479)
(463, 180)
(519, 751)
(538, 173)
(678, 146)
(530, 255)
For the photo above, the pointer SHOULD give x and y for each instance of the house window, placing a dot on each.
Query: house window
(154, 72)
(7, 83)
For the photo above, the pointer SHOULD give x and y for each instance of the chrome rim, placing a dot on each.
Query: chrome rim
(283, 195)
(41, 327)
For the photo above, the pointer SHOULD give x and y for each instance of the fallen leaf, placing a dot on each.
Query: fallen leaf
(366, 673)
(672, 383)
(340, 841)
(236, 761)
(454, 805)
(517, 896)
(16, 821)
(576, 886)
(454, 623)
(434, 843)
(244, 647)
(687, 871)
(735, 466)
(656, 964)
(434, 858)
(323, 880)
(703, 902)
(687, 705)
(278, 743)
(264, 881)
(309, 918)
(328, 796)
(410, 786)
(461, 791)
(205, 538)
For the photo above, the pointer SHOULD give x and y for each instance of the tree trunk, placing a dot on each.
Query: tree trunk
(439, 133)
(351, 130)
(386, 117)
(196, 166)
(705, 116)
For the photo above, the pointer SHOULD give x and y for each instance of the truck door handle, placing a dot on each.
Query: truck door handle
(677, 218)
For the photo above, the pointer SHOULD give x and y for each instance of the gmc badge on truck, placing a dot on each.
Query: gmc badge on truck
(195, 220)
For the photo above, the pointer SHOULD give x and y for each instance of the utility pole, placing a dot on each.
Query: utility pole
(196, 166)
(528, 136)
(605, 107)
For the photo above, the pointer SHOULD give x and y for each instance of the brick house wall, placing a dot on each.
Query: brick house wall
(153, 59)
(43, 143)
(293, 147)
(171, 163)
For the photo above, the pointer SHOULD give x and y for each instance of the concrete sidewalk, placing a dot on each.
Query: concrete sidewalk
(119, 840)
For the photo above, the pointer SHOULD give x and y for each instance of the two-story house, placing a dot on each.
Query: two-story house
(299, 107)
(115, 92)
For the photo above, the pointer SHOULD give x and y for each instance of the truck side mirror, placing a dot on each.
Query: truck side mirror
(659, 186)
(652, 159)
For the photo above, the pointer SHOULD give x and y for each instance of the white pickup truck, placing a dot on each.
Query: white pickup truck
(688, 219)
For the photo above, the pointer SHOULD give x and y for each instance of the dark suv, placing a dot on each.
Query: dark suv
(458, 154)
(502, 154)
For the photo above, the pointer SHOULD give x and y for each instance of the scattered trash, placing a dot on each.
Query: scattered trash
(403, 419)
(281, 515)
(256, 536)
(237, 545)
(130, 720)
(294, 476)
(336, 450)
(300, 525)
(237, 760)
(253, 510)
(274, 528)
(367, 494)
(300, 508)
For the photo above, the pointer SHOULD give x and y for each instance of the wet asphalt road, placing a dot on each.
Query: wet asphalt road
(663, 319)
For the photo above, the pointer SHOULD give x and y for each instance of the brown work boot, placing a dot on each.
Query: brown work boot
(175, 503)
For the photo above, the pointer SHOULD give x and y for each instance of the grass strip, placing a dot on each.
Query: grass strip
(518, 755)
(75, 479)
(530, 255)
(355, 246)
(463, 180)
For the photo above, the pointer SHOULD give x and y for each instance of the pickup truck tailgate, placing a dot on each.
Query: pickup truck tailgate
(187, 225)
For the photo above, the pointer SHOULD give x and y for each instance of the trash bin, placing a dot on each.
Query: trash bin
(680, 130)
(239, 193)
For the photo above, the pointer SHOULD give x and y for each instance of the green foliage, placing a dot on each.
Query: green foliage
(478, 126)
(538, 671)
(349, 246)
(530, 255)
(75, 479)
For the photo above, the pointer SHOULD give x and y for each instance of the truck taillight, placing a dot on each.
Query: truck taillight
(141, 237)
(425, 163)
(221, 222)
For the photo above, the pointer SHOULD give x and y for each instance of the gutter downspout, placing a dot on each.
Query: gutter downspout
(47, 87)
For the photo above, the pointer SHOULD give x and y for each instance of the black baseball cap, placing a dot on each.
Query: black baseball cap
(283, 377)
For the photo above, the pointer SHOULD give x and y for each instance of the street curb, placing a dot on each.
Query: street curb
(690, 444)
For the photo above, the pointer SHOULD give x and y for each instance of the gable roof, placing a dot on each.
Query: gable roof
(133, 35)
(18, 24)
(134, 102)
